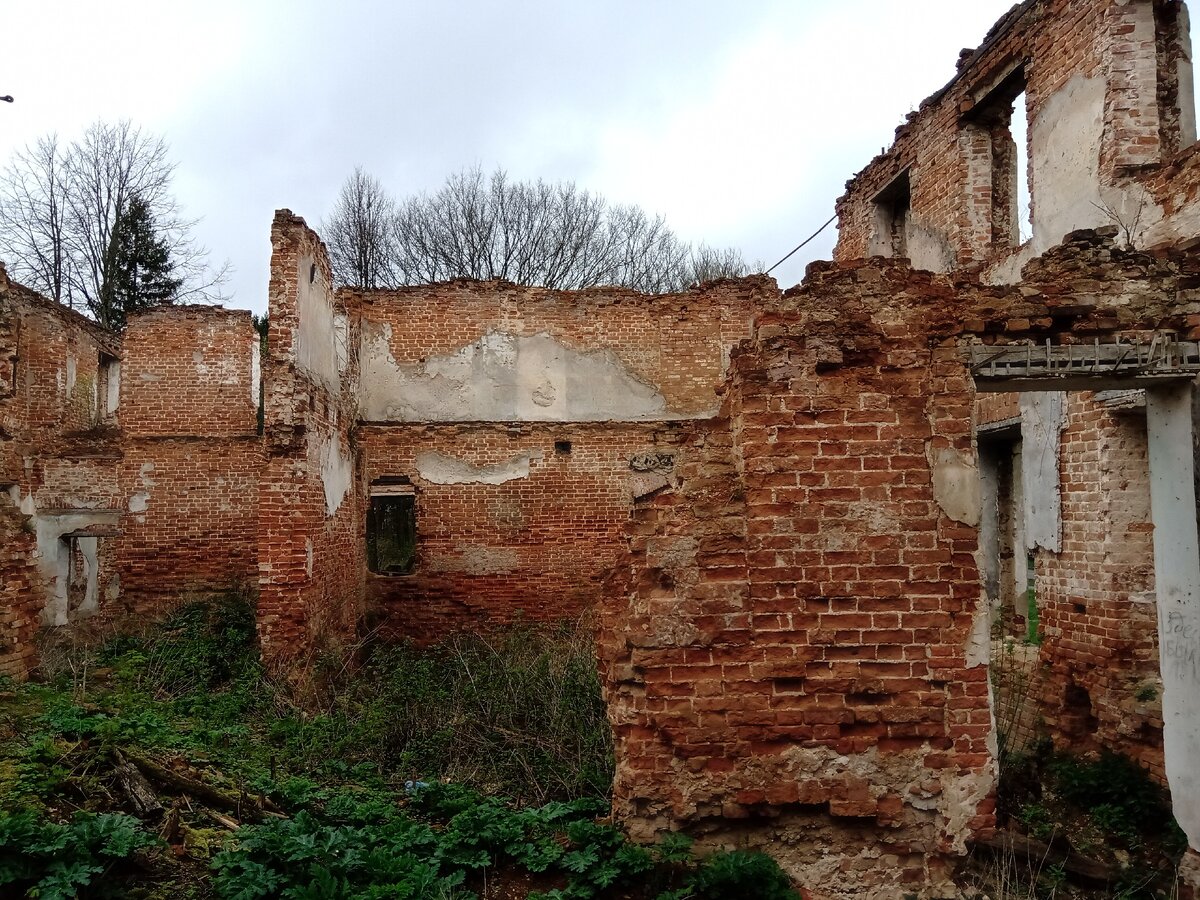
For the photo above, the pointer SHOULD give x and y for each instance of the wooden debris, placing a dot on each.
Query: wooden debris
(239, 804)
(136, 788)
(223, 820)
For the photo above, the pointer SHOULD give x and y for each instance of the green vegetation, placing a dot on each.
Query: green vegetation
(265, 798)
(51, 861)
(1103, 808)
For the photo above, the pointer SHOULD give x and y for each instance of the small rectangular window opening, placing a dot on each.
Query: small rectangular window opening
(392, 528)
(562, 448)
(892, 206)
(1001, 114)
(1189, 98)
(108, 385)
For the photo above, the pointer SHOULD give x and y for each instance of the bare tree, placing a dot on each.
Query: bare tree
(32, 212)
(60, 209)
(537, 233)
(359, 233)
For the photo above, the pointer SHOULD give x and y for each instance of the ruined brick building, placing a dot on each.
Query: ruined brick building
(797, 515)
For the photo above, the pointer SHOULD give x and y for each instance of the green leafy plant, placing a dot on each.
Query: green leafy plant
(50, 861)
(1038, 821)
(753, 876)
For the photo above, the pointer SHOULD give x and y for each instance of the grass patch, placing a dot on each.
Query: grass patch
(348, 800)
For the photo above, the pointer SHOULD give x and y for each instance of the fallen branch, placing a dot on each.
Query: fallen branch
(223, 820)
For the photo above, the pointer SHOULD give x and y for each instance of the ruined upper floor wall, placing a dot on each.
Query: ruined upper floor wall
(495, 351)
(190, 370)
(1108, 95)
(55, 367)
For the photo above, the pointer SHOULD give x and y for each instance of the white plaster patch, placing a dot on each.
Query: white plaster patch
(213, 364)
(337, 474)
(315, 342)
(139, 502)
(255, 370)
(979, 641)
(438, 468)
(503, 377)
(956, 486)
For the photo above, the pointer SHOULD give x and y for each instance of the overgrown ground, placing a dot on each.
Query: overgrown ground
(1071, 827)
(166, 765)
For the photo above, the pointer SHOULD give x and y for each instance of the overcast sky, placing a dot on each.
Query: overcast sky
(738, 121)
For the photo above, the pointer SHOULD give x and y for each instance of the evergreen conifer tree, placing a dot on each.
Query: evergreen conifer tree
(142, 271)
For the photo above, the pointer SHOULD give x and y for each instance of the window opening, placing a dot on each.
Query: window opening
(392, 527)
(892, 206)
(108, 388)
(1019, 129)
(1033, 633)
(1189, 104)
(562, 448)
(1000, 116)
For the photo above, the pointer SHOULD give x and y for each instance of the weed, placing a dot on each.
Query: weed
(1037, 820)
(1146, 693)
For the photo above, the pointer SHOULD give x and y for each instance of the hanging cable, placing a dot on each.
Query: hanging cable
(801, 244)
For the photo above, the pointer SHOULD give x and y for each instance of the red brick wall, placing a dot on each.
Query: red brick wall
(534, 548)
(1096, 597)
(20, 598)
(191, 519)
(191, 457)
(796, 637)
(310, 557)
(187, 371)
(57, 359)
(52, 455)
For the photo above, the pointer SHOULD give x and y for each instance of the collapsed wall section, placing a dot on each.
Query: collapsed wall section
(800, 643)
(311, 554)
(798, 638)
(1109, 139)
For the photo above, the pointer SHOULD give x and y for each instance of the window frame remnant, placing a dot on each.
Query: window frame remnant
(391, 527)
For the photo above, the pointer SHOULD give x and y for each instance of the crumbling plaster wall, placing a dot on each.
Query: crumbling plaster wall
(1104, 83)
(58, 454)
(125, 498)
(496, 352)
(795, 648)
(310, 538)
(527, 420)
